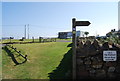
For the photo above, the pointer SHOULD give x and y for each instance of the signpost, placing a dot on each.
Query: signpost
(109, 55)
(82, 23)
(74, 24)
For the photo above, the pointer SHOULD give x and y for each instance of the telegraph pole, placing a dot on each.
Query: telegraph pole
(28, 31)
(25, 31)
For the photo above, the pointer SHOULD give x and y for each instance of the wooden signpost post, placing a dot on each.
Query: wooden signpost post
(74, 24)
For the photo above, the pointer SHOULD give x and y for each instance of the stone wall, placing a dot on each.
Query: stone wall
(90, 64)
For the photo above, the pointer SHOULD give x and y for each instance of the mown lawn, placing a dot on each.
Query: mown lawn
(43, 58)
(28, 40)
(0, 63)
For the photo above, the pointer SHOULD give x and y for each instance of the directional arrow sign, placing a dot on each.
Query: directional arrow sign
(82, 23)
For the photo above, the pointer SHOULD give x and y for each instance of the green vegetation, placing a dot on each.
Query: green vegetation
(86, 33)
(43, 58)
(0, 64)
(115, 40)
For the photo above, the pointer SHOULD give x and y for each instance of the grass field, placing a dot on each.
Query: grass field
(0, 63)
(27, 40)
(45, 61)
(17, 40)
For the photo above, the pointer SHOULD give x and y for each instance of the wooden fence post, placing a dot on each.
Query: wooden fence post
(33, 39)
(55, 39)
(10, 39)
(40, 39)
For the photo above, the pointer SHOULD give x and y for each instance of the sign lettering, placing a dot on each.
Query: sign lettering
(109, 55)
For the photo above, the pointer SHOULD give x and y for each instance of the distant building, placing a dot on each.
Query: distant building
(65, 35)
(3, 38)
(113, 33)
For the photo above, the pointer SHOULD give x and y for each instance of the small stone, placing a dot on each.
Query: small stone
(97, 65)
(81, 68)
(118, 69)
(87, 67)
(111, 75)
(92, 71)
(80, 44)
(91, 52)
(111, 69)
(81, 54)
(92, 58)
(110, 64)
(83, 73)
(79, 61)
(99, 59)
(88, 62)
(96, 44)
(88, 43)
(100, 73)
(105, 46)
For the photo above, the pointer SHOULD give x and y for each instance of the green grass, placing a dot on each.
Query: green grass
(17, 40)
(43, 58)
(28, 40)
(0, 64)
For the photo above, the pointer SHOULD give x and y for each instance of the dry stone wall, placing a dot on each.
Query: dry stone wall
(89, 60)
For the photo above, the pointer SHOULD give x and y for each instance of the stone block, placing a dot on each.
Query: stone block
(92, 71)
(81, 68)
(117, 70)
(100, 73)
(96, 44)
(97, 64)
(111, 75)
(87, 62)
(81, 55)
(79, 61)
(87, 67)
(105, 46)
(82, 73)
(80, 45)
(110, 64)
(111, 69)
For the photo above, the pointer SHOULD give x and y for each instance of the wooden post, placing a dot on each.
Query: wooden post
(10, 39)
(33, 39)
(43, 40)
(51, 40)
(74, 24)
(74, 48)
(55, 39)
(40, 39)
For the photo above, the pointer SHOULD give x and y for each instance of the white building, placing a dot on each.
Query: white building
(65, 35)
